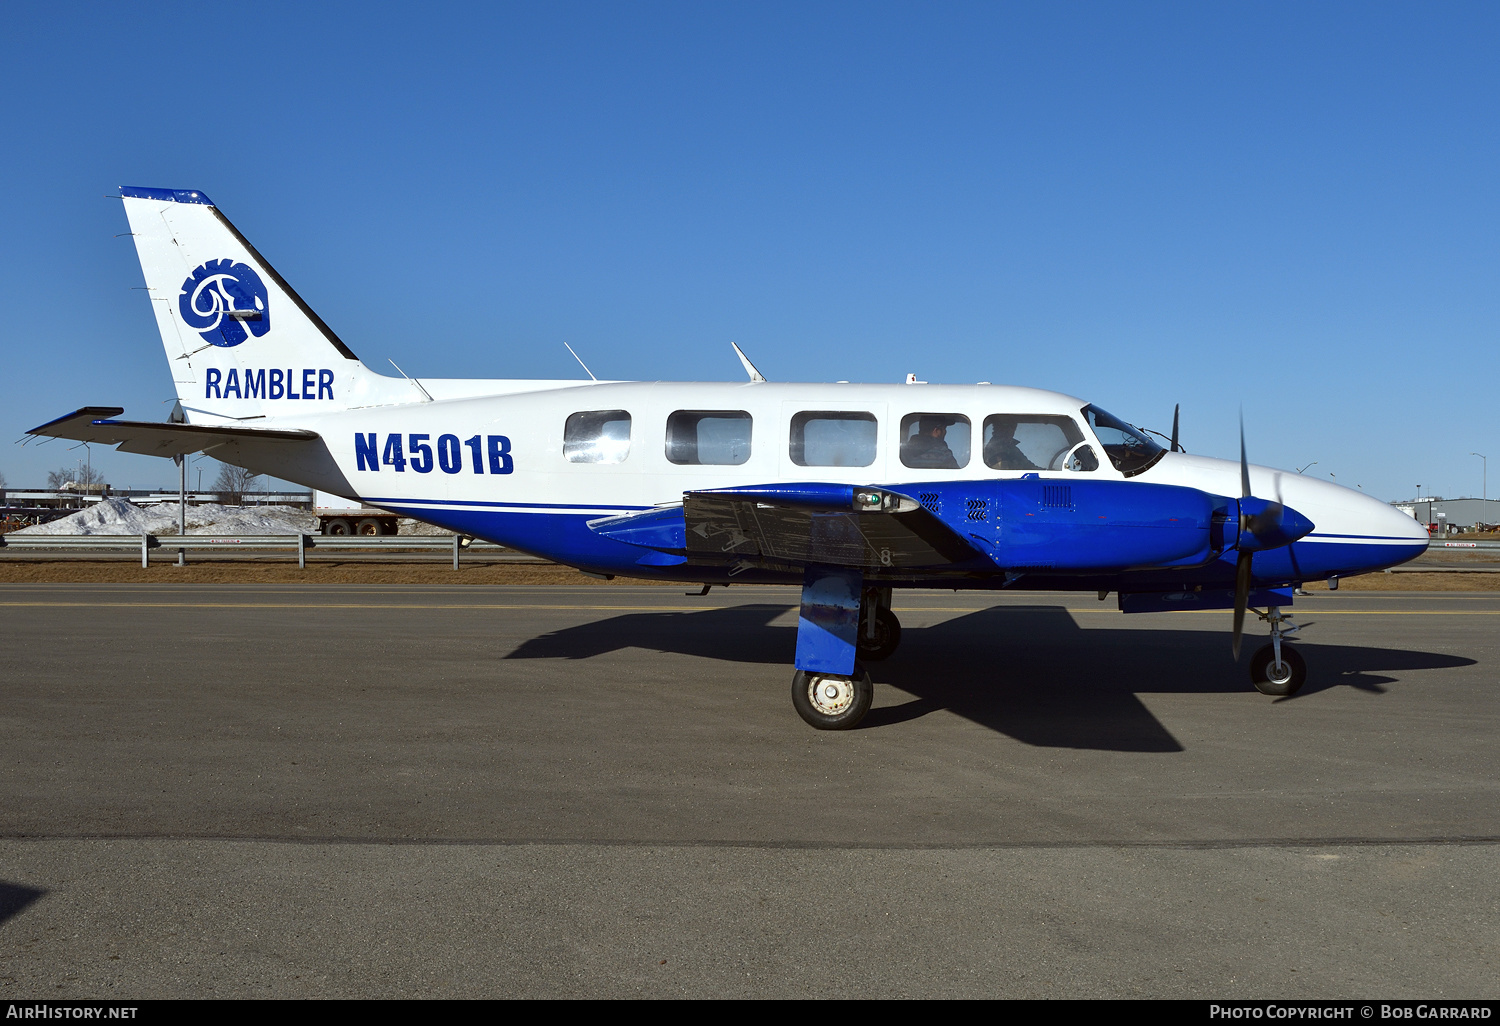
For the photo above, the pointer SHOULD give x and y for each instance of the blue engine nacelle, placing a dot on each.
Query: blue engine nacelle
(1084, 526)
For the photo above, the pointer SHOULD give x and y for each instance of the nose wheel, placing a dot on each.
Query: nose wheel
(1278, 678)
(830, 701)
(1278, 669)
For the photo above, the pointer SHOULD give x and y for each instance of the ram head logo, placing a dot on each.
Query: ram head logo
(225, 302)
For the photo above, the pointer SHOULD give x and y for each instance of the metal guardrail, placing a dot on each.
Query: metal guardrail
(410, 543)
(245, 542)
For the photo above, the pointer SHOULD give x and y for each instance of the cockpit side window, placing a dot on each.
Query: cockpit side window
(1032, 441)
(1128, 448)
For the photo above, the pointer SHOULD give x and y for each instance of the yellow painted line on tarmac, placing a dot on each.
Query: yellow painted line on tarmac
(595, 607)
(1113, 611)
(340, 605)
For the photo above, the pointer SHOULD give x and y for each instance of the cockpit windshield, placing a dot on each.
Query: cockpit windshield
(1128, 448)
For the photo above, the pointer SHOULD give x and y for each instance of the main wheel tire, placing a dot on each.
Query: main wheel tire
(339, 526)
(1280, 681)
(368, 526)
(830, 702)
(887, 637)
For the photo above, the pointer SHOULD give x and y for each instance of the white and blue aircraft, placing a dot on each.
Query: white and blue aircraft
(849, 490)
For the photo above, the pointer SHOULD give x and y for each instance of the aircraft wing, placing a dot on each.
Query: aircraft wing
(797, 525)
(93, 424)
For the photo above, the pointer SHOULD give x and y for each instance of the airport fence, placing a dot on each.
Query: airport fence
(250, 543)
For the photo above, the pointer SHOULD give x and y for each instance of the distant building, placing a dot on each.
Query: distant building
(1451, 514)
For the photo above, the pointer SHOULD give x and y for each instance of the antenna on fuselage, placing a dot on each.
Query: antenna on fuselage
(755, 375)
(426, 395)
(580, 361)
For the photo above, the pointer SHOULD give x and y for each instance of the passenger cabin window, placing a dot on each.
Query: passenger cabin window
(599, 436)
(935, 441)
(1127, 447)
(833, 439)
(1028, 441)
(709, 437)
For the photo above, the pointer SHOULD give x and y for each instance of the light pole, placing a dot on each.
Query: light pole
(1484, 487)
(1314, 463)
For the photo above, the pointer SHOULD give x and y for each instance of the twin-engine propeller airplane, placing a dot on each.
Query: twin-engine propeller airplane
(850, 490)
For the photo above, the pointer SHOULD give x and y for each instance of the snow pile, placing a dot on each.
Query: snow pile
(211, 518)
(108, 516)
(406, 525)
(117, 516)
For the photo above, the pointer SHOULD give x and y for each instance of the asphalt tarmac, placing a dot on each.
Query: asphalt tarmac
(219, 790)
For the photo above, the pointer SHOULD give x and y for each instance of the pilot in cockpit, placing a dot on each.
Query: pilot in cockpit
(928, 448)
(1003, 452)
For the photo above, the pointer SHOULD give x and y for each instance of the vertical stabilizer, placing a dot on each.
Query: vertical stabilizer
(240, 341)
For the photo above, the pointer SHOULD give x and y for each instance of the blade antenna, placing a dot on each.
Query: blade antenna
(755, 375)
(426, 395)
(1175, 411)
(580, 361)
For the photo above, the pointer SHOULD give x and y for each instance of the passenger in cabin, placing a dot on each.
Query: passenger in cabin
(928, 447)
(1003, 452)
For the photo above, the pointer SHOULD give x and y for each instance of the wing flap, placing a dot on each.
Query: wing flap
(896, 534)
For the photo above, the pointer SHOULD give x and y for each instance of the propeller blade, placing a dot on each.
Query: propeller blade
(1244, 463)
(1175, 411)
(1241, 600)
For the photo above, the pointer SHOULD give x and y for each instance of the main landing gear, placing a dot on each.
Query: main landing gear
(832, 702)
(841, 622)
(1278, 669)
(879, 630)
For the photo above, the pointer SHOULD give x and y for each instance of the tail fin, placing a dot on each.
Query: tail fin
(241, 343)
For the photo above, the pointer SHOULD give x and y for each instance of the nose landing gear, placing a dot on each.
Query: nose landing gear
(1278, 669)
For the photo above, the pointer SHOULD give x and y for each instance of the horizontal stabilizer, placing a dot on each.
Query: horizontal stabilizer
(93, 424)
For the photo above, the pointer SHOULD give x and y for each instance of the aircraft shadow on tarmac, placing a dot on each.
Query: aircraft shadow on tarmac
(1026, 671)
(15, 897)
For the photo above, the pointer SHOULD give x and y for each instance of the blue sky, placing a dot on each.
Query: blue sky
(1289, 207)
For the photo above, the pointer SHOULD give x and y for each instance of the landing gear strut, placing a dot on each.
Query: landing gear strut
(879, 630)
(1278, 669)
